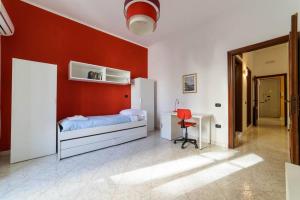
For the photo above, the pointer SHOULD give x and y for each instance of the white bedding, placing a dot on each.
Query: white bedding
(80, 122)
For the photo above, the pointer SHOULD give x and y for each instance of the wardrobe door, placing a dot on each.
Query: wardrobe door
(33, 121)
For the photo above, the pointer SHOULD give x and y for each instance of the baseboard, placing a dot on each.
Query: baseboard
(220, 144)
(4, 153)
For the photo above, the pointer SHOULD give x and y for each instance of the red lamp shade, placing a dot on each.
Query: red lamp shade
(142, 15)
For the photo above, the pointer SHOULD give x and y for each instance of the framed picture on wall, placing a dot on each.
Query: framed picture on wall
(189, 83)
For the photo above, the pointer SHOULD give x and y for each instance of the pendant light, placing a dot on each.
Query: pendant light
(142, 16)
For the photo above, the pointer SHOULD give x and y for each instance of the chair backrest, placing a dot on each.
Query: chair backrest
(184, 114)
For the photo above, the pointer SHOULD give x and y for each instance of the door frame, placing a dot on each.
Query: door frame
(231, 80)
(294, 90)
(249, 98)
(284, 75)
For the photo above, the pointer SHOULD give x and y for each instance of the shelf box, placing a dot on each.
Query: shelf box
(116, 72)
(117, 79)
(80, 72)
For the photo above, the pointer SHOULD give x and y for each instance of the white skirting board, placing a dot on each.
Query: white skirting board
(71, 143)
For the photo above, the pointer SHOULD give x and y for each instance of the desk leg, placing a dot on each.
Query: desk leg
(200, 131)
(200, 134)
(209, 118)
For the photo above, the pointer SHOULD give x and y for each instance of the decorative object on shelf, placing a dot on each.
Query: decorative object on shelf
(98, 76)
(189, 83)
(91, 75)
(95, 75)
(142, 15)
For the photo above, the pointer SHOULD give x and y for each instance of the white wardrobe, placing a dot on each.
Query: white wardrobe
(33, 120)
(142, 97)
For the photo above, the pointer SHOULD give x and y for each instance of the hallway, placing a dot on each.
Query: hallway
(271, 139)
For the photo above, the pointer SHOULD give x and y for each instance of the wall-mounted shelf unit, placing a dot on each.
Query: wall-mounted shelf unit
(79, 71)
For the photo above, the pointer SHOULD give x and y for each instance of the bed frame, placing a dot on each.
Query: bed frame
(72, 143)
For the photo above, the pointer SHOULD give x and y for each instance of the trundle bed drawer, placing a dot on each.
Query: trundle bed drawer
(82, 145)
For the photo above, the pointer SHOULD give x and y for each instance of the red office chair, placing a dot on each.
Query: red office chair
(185, 114)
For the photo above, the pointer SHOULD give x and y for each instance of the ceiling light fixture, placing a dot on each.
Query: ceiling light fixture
(142, 15)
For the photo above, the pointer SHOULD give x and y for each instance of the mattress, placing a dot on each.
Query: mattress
(94, 121)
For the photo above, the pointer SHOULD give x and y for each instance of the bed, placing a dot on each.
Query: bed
(77, 135)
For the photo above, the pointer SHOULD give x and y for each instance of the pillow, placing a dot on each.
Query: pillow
(77, 118)
(135, 118)
(130, 112)
(141, 117)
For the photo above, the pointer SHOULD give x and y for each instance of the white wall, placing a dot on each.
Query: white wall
(273, 60)
(204, 51)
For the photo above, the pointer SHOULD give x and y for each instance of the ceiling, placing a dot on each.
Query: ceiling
(107, 15)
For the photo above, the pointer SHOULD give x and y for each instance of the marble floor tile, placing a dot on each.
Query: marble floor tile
(156, 169)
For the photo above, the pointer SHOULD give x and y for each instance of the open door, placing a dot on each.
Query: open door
(238, 95)
(249, 97)
(255, 107)
(294, 91)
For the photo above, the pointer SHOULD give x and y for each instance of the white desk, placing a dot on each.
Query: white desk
(292, 174)
(170, 129)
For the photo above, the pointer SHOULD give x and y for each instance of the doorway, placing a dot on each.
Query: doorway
(292, 40)
(270, 89)
(269, 98)
(271, 101)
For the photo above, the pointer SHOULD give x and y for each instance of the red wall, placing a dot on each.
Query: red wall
(45, 37)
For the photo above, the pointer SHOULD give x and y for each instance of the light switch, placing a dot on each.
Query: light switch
(218, 105)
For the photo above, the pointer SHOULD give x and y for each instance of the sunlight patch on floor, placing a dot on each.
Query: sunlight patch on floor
(247, 160)
(220, 155)
(197, 180)
(171, 168)
(161, 170)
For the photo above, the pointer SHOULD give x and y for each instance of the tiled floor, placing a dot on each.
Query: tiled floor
(153, 168)
(271, 121)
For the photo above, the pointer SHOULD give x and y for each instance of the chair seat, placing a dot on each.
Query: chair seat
(188, 124)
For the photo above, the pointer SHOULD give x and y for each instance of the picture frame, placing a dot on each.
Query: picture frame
(189, 83)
